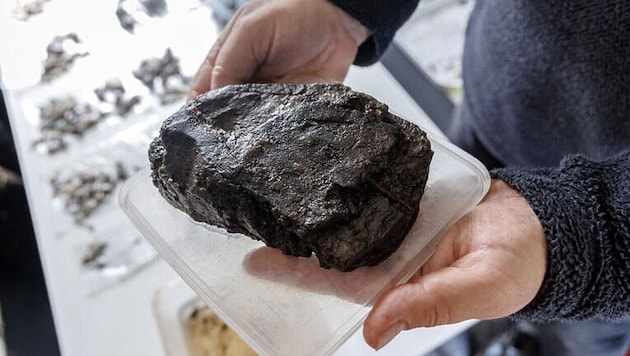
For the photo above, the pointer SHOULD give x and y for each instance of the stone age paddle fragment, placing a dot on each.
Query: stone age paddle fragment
(314, 168)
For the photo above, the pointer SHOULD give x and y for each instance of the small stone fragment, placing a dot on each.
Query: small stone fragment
(64, 116)
(92, 256)
(24, 10)
(113, 93)
(59, 60)
(125, 10)
(83, 190)
(164, 78)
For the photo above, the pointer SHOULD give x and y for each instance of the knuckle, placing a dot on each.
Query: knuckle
(436, 312)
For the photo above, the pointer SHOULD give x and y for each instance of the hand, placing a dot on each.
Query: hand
(490, 264)
(297, 41)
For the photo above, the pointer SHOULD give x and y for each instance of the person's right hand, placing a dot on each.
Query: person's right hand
(290, 41)
(489, 265)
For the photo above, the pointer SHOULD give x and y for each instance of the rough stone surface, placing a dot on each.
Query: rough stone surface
(314, 168)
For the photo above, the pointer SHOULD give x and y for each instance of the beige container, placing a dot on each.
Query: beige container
(189, 327)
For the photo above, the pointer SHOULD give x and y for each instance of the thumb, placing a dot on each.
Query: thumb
(445, 296)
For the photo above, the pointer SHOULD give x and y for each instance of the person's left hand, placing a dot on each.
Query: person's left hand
(490, 264)
(282, 41)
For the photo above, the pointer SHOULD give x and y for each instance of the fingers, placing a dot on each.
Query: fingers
(490, 264)
(203, 78)
(449, 295)
(236, 60)
(217, 56)
(284, 41)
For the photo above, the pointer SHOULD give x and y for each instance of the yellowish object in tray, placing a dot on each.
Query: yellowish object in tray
(210, 336)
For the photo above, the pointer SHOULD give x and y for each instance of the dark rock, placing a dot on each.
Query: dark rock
(304, 168)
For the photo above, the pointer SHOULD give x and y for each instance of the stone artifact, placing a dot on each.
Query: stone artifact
(113, 92)
(59, 60)
(24, 10)
(65, 116)
(84, 189)
(163, 77)
(315, 168)
(125, 10)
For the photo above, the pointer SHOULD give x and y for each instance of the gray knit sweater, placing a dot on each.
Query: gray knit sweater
(547, 92)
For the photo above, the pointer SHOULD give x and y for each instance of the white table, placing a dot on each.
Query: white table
(119, 320)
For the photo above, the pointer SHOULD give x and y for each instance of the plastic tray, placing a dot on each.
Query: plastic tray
(290, 306)
(171, 303)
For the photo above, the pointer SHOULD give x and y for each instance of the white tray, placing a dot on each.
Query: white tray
(290, 306)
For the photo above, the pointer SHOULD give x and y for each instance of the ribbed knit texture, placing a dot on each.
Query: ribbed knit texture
(584, 207)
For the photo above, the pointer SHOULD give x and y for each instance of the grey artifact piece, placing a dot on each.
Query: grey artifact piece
(58, 60)
(315, 168)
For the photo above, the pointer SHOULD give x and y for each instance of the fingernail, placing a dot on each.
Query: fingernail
(390, 334)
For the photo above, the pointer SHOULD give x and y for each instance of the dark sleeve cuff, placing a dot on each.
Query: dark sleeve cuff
(583, 207)
(381, 17)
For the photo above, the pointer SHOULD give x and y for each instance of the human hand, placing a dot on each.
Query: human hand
(296, 41)
(490, 264)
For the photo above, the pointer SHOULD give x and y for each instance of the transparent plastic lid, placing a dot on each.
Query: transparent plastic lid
(283, 305)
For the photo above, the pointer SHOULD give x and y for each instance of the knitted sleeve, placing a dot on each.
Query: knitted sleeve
(584, 208)
(382, 17)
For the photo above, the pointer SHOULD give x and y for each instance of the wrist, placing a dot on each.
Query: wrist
(354, 28)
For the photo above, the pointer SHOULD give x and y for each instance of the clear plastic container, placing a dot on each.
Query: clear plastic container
(171, 303)
(284, 305)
